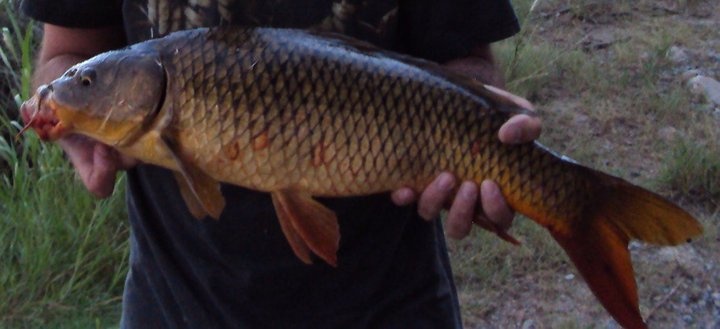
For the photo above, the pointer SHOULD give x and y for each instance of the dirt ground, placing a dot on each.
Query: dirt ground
(679, 287)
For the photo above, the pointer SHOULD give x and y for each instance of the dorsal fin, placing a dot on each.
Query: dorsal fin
(498, 101)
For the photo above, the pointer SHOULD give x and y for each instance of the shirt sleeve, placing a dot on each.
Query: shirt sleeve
(441, 30)
(75, 13)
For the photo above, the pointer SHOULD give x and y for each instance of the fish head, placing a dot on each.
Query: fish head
(113, 98)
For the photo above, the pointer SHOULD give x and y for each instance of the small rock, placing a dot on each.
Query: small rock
(706, 86)
(689, 74)
(569, 277)
(528, 324)
(677, 55)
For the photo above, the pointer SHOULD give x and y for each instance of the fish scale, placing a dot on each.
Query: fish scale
(300, 115)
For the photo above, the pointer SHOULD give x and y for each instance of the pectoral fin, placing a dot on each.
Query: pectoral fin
(191, 201)
(308, 225)
(201, 192)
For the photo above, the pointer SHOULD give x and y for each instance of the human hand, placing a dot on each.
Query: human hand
(97, 164)
(491, 211)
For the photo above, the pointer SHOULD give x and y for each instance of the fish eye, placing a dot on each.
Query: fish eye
(87, 76)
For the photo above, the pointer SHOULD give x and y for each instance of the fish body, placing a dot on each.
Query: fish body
(302, 115)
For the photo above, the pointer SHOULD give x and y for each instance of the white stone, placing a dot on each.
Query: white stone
(706, 86)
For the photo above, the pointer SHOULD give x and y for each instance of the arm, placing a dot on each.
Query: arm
(61, 47)
(493, 210)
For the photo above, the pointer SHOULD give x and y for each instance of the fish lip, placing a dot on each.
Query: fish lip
(40, 114)
(54, 128)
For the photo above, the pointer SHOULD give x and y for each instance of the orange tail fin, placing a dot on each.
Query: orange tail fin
(597, 244)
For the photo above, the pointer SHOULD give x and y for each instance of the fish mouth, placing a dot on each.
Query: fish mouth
(40, 114)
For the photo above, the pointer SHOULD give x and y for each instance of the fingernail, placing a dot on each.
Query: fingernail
(486, 188)
(445, 182)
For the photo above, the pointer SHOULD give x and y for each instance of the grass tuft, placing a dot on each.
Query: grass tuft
(693, 170)
(63, 252)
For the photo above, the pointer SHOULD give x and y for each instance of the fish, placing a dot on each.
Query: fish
(302, 114)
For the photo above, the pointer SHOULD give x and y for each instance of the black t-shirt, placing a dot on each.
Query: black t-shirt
(239, 272)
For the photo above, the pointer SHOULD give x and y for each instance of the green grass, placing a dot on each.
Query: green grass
(63, 253)
(693, 170)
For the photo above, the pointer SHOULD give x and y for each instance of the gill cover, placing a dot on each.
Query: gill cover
(112, 97)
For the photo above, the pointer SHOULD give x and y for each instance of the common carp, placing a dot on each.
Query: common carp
(301, 114)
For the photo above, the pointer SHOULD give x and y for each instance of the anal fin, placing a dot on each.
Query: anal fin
(308, 225)
(499, 232)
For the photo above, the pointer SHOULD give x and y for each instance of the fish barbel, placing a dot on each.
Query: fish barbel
(299, 114)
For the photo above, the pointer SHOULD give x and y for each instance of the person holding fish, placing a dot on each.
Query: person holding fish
(392, 268)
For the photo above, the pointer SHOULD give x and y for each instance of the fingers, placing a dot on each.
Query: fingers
(494, 216)
(403, 196)
(519, 101)
(520, 129)
(484, 206)
(435, 196)
(95, 163)
(460, 216)
(100, 177)
(496, 209)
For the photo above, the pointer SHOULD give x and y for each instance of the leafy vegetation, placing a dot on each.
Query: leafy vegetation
(693, 170)
(64, 253)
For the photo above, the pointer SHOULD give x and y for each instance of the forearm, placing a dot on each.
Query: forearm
(63, 47)
(480, 65)
(49, 70)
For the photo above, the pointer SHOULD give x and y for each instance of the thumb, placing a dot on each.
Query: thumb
(99, 176)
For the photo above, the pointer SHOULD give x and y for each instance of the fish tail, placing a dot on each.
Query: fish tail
(597, 243)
